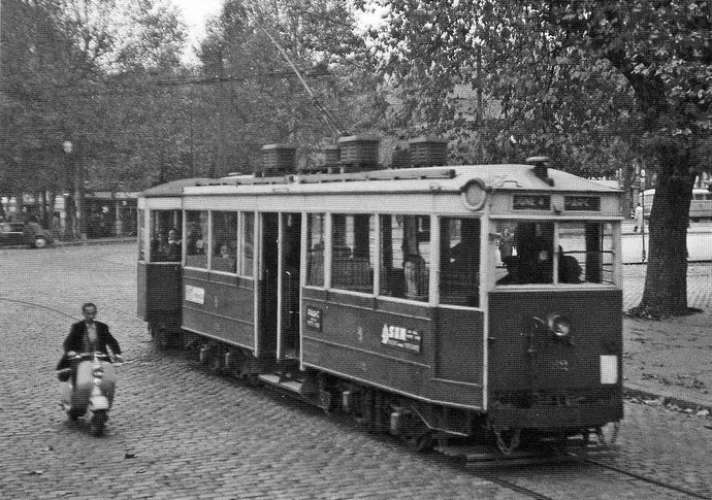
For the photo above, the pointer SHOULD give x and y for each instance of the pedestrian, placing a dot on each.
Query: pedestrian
(506, 244)
(638, 218)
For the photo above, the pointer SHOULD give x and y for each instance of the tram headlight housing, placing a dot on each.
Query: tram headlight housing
(559, 325)
(474, 194)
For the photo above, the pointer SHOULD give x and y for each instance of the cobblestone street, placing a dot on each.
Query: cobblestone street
(177, 432)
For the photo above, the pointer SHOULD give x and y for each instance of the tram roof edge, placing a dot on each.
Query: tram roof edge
(506, 177)
(175, 188)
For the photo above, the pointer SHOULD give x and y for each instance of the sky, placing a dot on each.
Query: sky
(195, 13)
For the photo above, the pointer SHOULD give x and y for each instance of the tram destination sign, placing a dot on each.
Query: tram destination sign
(531, 202)
(582, 203)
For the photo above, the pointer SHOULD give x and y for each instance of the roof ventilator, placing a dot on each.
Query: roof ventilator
(358, 153)
(277, 160)
(427, 151)
(541, 168)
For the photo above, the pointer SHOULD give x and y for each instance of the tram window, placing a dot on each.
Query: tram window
(352, 252)
(315, 249)
(459, 261)
(247, 238)
(585, 252)
(165, 235)
(405, 262)
(530, 257)
(141, 234)
(224, 242)
(196, 254)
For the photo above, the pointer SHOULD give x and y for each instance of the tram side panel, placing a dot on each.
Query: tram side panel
(540, 380)
(159, 293)
(219, 306)
(393, 345)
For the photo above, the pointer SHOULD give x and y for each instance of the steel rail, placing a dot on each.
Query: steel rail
(647, 479)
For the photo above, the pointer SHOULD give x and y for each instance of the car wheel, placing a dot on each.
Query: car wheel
(40, 242)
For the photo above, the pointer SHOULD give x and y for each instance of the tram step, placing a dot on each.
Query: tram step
(276, 380)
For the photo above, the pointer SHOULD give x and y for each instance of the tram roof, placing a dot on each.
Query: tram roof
(174, 188)
(506, 177)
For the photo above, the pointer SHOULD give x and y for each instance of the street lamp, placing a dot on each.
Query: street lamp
(69, 210)
(642, 222)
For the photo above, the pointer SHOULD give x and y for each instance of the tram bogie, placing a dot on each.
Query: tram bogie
(471, 302)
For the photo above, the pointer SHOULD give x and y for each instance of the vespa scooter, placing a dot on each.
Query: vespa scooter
(89, 389)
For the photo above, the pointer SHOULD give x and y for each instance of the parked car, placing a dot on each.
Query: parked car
(20, 233)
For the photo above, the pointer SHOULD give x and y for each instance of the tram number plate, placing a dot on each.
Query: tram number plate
(609, 369)
(403, 338)
(313, 319)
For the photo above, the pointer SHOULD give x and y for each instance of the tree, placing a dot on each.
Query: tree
(572, 78)
(257, 96)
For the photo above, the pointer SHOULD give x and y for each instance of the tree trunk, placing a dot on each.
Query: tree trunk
(665, 292)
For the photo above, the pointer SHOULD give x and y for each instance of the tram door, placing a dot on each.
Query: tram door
(290, 256)
(269, 279)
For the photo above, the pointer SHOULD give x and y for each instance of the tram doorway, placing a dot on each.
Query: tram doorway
(269, 278)
(290, 256)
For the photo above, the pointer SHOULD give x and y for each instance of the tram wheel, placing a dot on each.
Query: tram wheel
(420, 443)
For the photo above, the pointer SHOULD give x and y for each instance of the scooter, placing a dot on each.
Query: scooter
(90, 388)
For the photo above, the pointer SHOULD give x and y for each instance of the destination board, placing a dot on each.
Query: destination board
(531, 202)
(582, 203)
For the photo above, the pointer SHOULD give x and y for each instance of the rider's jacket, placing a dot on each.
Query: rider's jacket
(76, 341)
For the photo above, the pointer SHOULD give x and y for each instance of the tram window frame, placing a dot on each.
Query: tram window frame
(565, 269)
(158, 230)
(245, 245)
(349, 255)
(463, 290)
(204, 236)
(142, 235)
(316, 250)
(410, 281)
(219, 264)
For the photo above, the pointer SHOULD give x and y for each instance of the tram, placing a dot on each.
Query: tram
(472, 302)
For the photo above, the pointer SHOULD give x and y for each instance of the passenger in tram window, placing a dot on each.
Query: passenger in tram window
(544, 267)
(173, 247)
(158, 243)
(416, 280)
(512, 277)
(195, 241)
(225, 251)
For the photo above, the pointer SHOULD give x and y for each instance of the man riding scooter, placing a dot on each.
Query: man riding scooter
(90, 383)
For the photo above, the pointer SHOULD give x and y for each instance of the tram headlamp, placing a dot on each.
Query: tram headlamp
(559, 325)
(474, 194)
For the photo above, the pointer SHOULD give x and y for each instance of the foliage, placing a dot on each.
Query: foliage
(572, 79)
(260, 99)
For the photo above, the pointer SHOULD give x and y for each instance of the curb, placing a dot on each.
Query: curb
(666, 400)
(77, 243)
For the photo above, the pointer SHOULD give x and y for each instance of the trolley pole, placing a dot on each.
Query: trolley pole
(642, 203)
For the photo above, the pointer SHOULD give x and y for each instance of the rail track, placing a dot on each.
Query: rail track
(496, 469)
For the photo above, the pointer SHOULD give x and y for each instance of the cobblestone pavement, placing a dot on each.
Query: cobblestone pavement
(177, 432)
(671, 357)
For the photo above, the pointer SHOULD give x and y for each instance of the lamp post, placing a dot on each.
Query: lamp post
(642, 202)
(69, 208)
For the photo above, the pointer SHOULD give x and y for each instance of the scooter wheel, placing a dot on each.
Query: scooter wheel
(97, 423)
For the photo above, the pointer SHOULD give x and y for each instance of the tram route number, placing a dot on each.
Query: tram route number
(403, 338)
